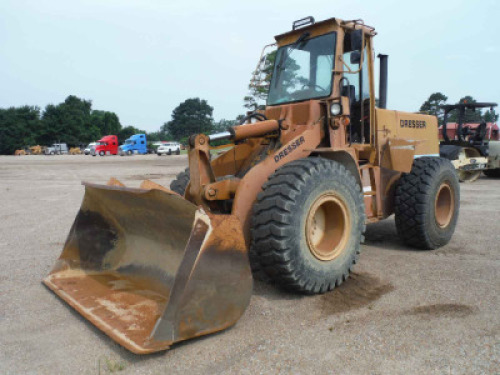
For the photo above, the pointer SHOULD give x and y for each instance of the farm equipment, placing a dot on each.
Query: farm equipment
(75, 151)
(290, 199)
(20, 152)
(469, 150)
(36, 150)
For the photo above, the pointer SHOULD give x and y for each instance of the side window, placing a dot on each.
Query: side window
(355, 79)
(142, 142)
(323, 70)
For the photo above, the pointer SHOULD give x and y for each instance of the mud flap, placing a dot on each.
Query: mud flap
(149, 268)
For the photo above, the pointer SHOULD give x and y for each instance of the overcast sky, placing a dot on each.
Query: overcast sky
(142, 58)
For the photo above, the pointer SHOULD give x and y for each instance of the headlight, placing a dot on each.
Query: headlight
(335, 109)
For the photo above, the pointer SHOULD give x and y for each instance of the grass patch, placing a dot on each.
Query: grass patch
(111, 365)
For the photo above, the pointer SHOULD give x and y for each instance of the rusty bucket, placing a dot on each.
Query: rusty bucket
(149, 268)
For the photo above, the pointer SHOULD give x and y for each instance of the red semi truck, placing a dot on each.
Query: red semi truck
(107, 145)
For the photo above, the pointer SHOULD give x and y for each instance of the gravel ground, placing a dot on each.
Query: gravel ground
(401, 312)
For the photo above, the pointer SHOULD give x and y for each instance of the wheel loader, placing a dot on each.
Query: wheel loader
(469, 150)
(289, 200)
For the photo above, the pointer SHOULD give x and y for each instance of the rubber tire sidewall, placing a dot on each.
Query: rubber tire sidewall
(338, 266)
(429, 235)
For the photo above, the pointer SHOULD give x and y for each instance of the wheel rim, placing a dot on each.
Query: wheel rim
(327, 227)
(444, 205)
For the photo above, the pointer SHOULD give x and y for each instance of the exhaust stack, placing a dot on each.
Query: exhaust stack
(383, 81)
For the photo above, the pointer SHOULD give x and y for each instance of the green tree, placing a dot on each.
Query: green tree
(259, 85)
(190, 117)
(490, 116)
(261, 81)
(107, 122)
(222, 125)
(127, 132)
(155, 136)
(18, 127)
(432, 105)
(68, 122)
(471, 116)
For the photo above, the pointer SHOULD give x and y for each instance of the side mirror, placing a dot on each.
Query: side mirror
(356, 40)
(355, 57)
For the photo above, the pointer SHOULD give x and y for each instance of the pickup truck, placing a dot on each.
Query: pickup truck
(169, 148)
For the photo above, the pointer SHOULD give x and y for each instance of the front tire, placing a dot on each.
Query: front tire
(181, 182)
(427, 203)
(307, 225)
(102, 153)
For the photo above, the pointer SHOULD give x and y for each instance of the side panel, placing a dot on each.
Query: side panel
(306, 138)
(403, 136)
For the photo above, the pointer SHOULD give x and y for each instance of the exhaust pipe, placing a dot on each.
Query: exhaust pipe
(382, 96)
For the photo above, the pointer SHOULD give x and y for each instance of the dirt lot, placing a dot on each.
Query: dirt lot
(401, 312)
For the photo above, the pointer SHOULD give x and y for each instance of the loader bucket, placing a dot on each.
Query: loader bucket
(149, 268)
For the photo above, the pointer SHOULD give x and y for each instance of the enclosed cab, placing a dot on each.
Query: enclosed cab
(136, 144)
(89, 148)
(107, 145)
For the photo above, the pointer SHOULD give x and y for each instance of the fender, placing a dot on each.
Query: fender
(307, 138)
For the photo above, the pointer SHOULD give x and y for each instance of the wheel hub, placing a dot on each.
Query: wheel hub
(444, 205)
(327, 227)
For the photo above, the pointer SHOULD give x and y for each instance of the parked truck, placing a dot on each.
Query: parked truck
(169, 148)
(57, 149)
(107, 145)
(136, 144)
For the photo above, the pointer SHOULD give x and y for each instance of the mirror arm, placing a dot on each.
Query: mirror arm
(350, 71)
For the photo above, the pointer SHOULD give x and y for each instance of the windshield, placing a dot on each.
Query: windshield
(101, 143)
(129, 142)
(303, 71)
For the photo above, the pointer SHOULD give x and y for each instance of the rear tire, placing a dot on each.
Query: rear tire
(181, 182)
(427, 203)
(293, 238)
(495, 173)
(178, 152)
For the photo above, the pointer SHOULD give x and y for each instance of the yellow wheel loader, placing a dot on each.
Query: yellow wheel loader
(290, 199)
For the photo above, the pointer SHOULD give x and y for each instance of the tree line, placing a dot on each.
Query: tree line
(75, 122)
(433, 104)
(72, 121)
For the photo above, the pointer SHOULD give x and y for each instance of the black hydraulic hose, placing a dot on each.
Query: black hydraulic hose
(257, 115)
